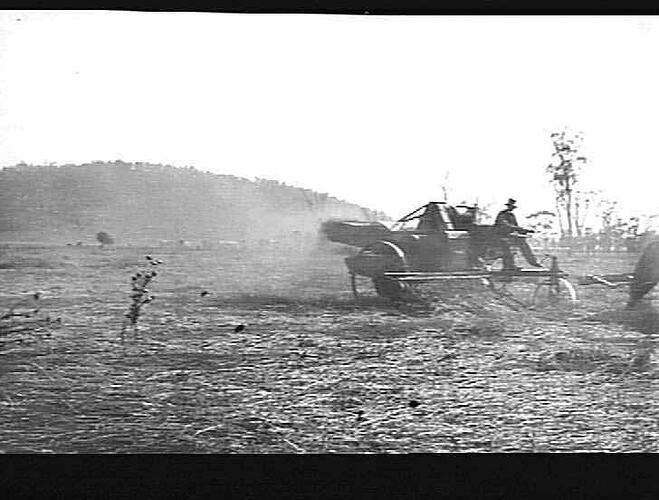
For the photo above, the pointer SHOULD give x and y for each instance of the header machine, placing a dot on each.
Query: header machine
(435, 243)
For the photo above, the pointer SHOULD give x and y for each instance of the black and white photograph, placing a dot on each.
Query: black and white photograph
(307, 233)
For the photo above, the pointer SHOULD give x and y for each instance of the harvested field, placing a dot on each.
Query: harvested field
(313, 370)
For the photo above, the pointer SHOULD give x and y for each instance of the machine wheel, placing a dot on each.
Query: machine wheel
(391, 259)
(384, 287)
(553, 293)
(390, 288)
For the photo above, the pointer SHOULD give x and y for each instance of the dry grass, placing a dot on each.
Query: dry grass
(314, 370)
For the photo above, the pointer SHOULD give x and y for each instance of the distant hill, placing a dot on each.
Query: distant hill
(145, 203)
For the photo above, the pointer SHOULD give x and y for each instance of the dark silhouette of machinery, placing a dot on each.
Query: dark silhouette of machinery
(646, 274)
(434, 242)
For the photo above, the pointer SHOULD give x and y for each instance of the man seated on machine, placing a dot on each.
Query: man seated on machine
(509, 232)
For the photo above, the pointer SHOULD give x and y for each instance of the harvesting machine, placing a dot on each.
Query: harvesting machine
(434, 243)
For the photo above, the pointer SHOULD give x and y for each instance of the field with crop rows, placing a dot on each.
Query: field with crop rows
(313, 370)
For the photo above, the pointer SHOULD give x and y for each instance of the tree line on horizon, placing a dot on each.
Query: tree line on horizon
(577, 207)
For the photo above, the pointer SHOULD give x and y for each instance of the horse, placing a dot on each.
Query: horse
(646, 273)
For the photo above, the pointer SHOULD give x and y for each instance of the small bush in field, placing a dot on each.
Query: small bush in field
(140, 295)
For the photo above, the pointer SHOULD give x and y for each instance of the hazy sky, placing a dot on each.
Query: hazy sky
(374, 110)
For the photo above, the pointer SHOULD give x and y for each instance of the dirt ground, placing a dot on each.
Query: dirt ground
(314, 370)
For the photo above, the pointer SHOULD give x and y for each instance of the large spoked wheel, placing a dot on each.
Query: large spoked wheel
(553, 292)
(383, 257)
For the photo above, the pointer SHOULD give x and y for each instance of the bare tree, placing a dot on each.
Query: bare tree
(542, 223)
(583, 201)
(564, 171)
(608, 216)
(445, 186)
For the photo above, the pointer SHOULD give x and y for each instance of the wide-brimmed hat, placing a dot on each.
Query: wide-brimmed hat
(511, 202)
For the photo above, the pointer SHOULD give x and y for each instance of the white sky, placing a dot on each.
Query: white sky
(373, 110)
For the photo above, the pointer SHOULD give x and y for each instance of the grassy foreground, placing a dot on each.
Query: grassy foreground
(314, 370)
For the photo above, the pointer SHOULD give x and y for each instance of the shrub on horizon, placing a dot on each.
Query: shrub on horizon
(104, 238)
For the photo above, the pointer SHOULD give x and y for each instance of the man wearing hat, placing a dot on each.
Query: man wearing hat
(509, 230)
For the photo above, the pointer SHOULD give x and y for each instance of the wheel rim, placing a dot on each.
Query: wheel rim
(395, 260)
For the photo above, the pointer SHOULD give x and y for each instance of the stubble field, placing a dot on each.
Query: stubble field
(314, 370)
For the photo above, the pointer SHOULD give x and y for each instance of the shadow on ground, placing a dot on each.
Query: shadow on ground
(259, 301)
(643, 318)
